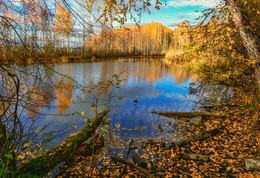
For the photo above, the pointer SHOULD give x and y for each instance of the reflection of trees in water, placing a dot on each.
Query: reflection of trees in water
(63, 91)
(211, 93)
(39, 95)
(158, 69)
(148, 70)
(179, 74)
(24, 91)
(194, 77)
(40, 98)
(63, 95)
(36, 88)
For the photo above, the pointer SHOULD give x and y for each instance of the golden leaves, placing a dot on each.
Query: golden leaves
(63, 23)
(27, 144)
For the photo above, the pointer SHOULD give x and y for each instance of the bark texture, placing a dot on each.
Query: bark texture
(195, 137)
(43, 164)
(190, 115)
(249, 38)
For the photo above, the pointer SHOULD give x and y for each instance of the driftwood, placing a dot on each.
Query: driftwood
(220, 106)
(194, 138)
(43, 164)
(185, 141)
(186, 116)
(116, 159)
(195, 157)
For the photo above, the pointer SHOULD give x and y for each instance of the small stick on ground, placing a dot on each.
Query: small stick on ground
(127, 155)
(116, 159)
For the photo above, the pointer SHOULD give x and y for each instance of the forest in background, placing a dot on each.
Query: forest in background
(38, 31)
(150, 39)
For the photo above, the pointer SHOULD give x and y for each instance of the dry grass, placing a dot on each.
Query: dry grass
(173, 53)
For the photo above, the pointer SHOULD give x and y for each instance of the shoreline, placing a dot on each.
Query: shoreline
(66, 59)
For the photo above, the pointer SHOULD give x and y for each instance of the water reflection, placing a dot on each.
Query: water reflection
(63, 91)
(151, 84)
(39, 98)
(147, 70)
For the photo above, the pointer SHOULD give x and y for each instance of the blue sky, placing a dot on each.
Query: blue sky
(170, 15)
(177, 11)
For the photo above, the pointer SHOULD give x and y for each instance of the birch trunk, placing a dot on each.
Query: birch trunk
(249, 38)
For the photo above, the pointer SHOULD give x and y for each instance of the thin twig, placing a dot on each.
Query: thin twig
(127, 155)
(116, 159)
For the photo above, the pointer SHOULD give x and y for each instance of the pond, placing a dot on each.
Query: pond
(151, 86)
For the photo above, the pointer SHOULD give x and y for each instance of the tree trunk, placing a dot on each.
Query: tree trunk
(68, 44)
(249, 38)
(194, 138)
(192, 114)
(43, 164)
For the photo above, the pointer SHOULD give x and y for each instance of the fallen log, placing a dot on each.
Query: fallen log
(194, 138)
(195, 157)
(220, 106)
(186, 116)
(91, 145)
(116, 159)
(43, 164)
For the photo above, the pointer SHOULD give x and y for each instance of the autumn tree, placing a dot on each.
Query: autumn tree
(134, 40)
(246, 17)
(63, 23)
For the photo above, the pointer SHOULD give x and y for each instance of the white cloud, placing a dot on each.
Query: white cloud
(203, 3)
(194, 14)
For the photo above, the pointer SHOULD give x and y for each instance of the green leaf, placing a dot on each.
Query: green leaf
(50, 133)
(48, 140)
(9, 156)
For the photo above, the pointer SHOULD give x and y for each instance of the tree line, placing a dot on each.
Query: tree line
(150, 39)
(37, 30)
(40, 29)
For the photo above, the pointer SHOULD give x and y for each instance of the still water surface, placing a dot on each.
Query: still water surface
(151, 86)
